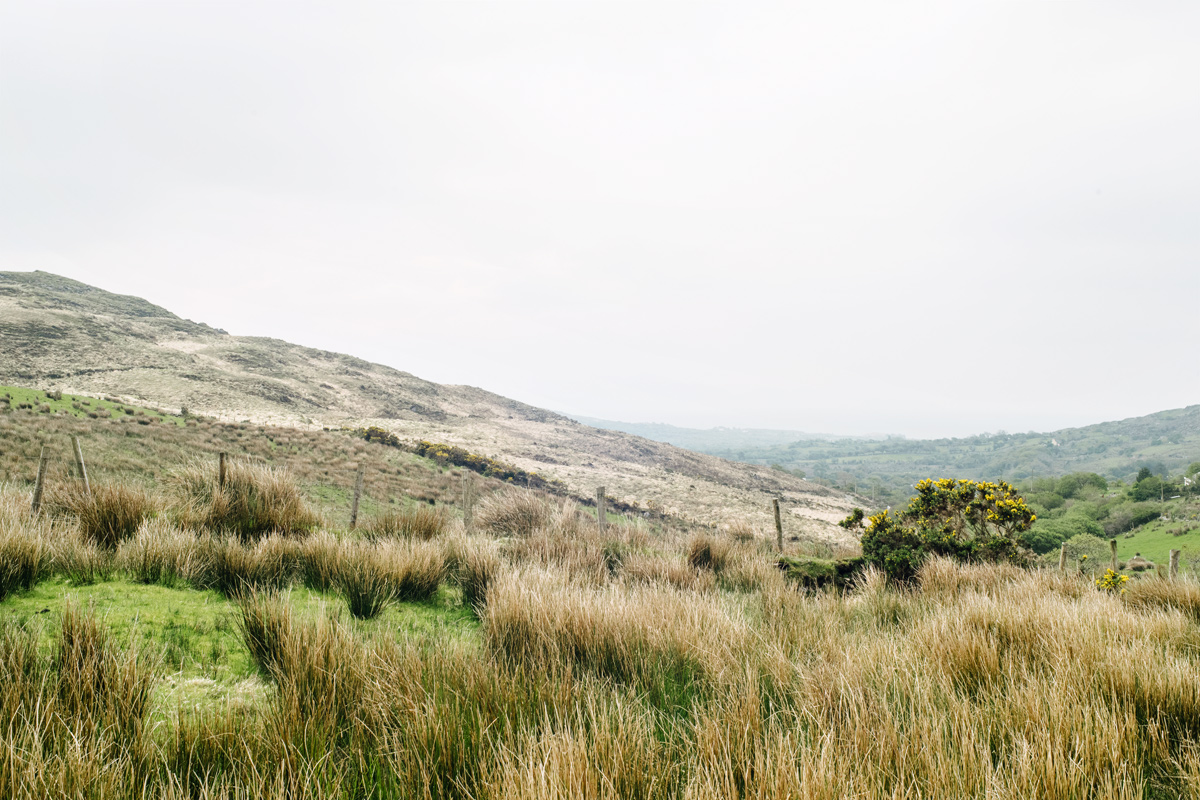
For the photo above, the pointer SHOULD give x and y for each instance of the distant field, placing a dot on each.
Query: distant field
(1155, 540)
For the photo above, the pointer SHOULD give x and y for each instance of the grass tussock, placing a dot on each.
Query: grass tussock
(476, 565)
(162, 553)
(372, 576)
(602, 664)
(706, 551)
(514, 513)
(420, 522)
(110, 514)
(26, 556)
(234, 567)
(256, 500)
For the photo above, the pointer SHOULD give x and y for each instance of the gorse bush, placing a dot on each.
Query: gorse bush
(256, 500)
(966, 520)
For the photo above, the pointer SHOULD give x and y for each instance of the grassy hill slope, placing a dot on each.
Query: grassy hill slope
(59, 334)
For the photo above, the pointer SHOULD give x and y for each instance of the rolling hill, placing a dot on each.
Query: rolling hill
(60, 334)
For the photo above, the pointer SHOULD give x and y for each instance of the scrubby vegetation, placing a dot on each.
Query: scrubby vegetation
(547, 657)
(186, 648)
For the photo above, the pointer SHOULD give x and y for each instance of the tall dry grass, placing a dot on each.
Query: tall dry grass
(610, 665)
(419, 522)
(109, 514)
(256, 500)
(514, 513)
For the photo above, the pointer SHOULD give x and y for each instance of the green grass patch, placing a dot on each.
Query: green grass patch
(80, 407)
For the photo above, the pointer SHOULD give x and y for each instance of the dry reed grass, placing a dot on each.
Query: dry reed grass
(107, 516)
(256, 500)
(612, 667)
(421, 522)
(515, 513)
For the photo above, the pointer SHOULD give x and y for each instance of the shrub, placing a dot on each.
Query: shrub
(256, 500)
(514, 513)
(110, 514)
(818, 573)
(420, 522)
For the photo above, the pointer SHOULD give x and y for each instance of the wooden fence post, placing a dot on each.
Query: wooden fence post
(1062, 558)
(221, 470)
(778, 525)
(468, 502)
(1112, 543)
(41, 479)
(1174, 573)
(87, 487)
(601, 513)
(357, 493)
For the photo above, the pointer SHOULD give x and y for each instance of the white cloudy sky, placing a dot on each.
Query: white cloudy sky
(930, 219)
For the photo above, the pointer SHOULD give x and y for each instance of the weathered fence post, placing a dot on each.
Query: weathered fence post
(357, 493)
(1112, 543)
(468, 502)
(87, 488)
(1062, 558)
(601, 513)
(1174, 572)
(778, 525)
(221, 470)
(41, 479)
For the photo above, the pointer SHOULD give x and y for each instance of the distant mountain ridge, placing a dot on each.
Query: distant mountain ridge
(705, 440)
(57, 333)
(1166, 441)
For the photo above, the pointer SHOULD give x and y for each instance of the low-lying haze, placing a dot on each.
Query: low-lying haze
(923, 219)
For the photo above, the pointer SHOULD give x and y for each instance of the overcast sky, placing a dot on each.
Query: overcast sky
(913, 218)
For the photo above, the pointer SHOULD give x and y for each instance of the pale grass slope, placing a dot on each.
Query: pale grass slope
(56, 333)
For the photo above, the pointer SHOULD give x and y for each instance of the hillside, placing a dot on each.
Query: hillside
(60, 334)
(1165, 442)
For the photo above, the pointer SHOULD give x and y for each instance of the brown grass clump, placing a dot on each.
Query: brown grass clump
(320, 559)
(1181, 594)
(110, 514)
(514, 513)
(98, 685)
(317, 665)
(373, 576)
(165, 554)
(662, 641)
(26, 556)
(705, 551)
(667, 571)
(233, 567)
(83, 562)
(421, 522)
(476, 565)
(256, 500)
